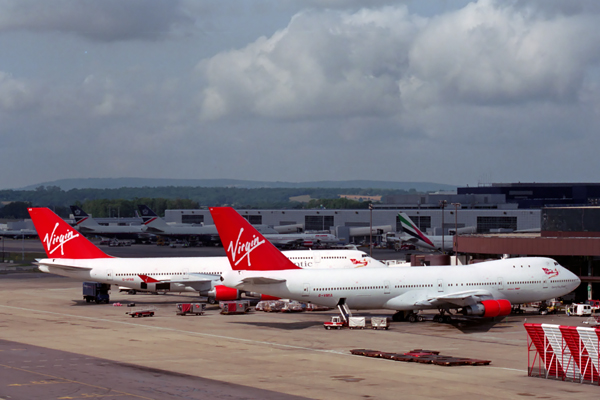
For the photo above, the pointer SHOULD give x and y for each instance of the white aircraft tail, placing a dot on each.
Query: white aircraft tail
(82, 218)
(150, 218)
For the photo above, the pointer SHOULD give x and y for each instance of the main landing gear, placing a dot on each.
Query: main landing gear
(442, 317)
(409, 316)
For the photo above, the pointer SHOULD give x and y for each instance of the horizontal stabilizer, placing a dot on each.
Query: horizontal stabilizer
(61, 265)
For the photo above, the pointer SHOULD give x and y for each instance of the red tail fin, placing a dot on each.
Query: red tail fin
(246, 248)
(60, 240)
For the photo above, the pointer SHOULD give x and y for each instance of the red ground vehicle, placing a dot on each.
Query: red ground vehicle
(335, 323)
(145, 312)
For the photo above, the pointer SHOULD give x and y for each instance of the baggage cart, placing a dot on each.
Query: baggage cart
(379, 323)
(356, 322)
(234, 307)
(191, 308)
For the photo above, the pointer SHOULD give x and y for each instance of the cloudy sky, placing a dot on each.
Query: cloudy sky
(443, 91)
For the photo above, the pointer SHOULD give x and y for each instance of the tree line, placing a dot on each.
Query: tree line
(124, 201)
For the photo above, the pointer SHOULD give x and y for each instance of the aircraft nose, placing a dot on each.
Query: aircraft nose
(571, 276)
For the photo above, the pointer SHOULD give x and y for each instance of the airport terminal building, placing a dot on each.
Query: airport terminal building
(561, 221)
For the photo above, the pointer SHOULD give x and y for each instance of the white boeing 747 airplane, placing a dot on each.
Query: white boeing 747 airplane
(486, 289)
(71, 254)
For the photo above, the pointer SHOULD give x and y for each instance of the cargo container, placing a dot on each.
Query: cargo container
(234, 307)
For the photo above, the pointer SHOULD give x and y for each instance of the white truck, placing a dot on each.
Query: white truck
(579, 310)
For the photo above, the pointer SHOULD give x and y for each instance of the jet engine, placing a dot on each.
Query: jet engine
(222, 293)
(489, 308)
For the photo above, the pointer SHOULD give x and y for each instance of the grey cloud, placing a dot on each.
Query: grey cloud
(321, 65)
(385, 61)
(104, 21)
(493, 54)
(15, 94)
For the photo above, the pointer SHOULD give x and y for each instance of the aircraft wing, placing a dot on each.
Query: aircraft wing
(460, 299)
(261, 280)
(61, 266)
(199, 282)
(196, 278)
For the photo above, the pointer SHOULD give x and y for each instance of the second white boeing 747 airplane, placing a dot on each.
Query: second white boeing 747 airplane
(486, 289)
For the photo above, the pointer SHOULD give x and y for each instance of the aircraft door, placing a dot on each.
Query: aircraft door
(186, 273)
(440, 285)
(306, 290)
(386, 287)
(109, 275)
(545, 281)
(317, 257)
(500, 284)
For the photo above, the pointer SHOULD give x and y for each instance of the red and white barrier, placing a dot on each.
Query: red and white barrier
(564, 352)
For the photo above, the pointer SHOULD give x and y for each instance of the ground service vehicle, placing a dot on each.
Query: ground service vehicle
(379, 323)
(234, 307)
(594, 303)
(335, 323)
(94, 291)
(190, 308)
(142, 312)
(338, 323)
(356, 322)
(579, 310)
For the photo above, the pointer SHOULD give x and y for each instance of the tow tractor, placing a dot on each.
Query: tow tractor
(335, 323)
(142, 312)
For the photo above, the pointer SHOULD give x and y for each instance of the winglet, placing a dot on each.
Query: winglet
(60, 240)
(246, 248)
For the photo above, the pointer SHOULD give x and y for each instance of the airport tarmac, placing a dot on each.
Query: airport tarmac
(53, 345)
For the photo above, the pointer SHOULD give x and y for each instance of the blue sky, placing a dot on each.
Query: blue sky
(454, 92)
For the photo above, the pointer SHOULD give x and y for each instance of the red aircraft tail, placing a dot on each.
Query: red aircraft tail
(246, 248)
(60, 240)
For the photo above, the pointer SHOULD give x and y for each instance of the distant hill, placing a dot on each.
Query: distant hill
(116, 183)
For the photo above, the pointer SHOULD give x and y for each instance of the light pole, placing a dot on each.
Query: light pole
(456, 205)
(443, 205)
(370, 230)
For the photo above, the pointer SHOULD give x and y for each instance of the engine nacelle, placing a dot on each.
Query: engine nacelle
(223, 293)
(489, 308)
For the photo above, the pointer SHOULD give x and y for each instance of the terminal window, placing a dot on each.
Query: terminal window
(254, 219)
(484, 224)
(192, 219)
(318, 222)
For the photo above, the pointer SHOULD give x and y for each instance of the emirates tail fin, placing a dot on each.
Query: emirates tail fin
(246, 248)
(412, 230)
(60, 240)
